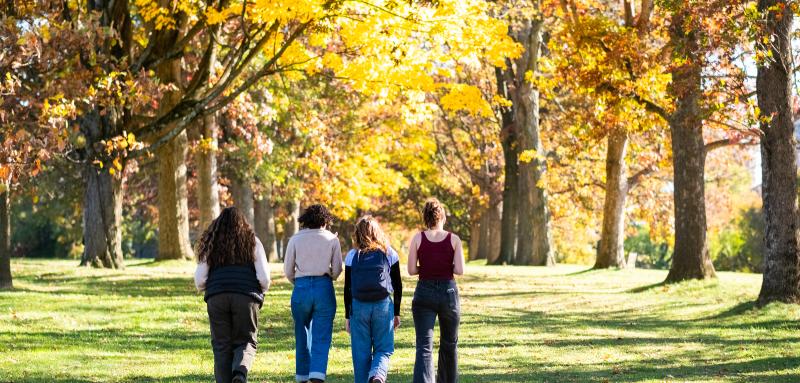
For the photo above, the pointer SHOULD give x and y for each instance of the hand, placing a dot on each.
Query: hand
(396, 322)
(347, 325)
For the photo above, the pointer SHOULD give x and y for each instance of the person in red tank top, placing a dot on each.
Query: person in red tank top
(436, 256)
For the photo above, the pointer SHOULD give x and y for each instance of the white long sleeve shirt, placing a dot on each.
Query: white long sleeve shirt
(261, 264)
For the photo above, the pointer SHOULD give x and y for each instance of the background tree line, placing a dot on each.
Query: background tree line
(555, 131)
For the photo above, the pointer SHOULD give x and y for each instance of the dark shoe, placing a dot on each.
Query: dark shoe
(317, 381)
(239, 378)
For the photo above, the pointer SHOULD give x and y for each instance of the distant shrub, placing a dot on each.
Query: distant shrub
(651, 255)
(739, 246)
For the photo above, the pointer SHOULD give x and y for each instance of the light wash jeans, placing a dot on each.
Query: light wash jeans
(313, 301)
(372, 338)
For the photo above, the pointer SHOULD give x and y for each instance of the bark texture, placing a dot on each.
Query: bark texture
(492, 221)
(207, 186)
(533, 222)
(291, 225)
(778, 161)
(6, 281)
(691, 259)
(173, 206)
(206, 155)
(102, 199)
(242, 193)
(508, 137)
(265, 227)
(611, 252)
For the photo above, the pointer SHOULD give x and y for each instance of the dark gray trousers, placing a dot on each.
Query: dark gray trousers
(234, 328)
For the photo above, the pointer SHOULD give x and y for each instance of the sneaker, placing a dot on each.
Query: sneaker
(239, 378)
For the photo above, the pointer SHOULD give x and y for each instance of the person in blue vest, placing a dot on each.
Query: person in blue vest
(233, 271)
(371, 278)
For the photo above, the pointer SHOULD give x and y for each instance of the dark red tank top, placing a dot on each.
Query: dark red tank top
(436, 258)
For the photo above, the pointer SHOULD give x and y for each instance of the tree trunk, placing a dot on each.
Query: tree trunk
(242, 193)
(102, 218)
(173, 206)
(533, 226)
(493, 235)
(291, 226)
(206, 154)
(103, 194)
(6, 282)
(611, 252)
(265, 226)
(508, 137)
(691, 259)
(778, 160)
(173, 209)
(475, 237)
(206, 160)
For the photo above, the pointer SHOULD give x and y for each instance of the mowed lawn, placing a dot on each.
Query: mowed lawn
(520, 324)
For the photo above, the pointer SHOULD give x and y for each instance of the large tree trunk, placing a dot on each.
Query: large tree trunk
(102, 217)
(173, 205)
(691, 259)
(206, 154)
(492, 221)
(508, 224)
(778, 159)
(265, 226)
(533, 226)
(173, 208)
(291, 226)
(611, 252)
(103, 194)
(242, 193)
(475, 237)
(206, 159)
(5, 237)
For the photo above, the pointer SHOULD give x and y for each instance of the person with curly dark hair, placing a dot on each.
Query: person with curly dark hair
(313, 260)
(233, 271)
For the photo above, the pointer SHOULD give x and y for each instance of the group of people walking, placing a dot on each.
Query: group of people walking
(233, 271)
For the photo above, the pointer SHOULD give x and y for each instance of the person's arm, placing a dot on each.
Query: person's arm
(413, 245)
(348, 294)
(262, 266)
(397, 286)
(458, 261)
(336, 261)
(201, 276)
(288, 261)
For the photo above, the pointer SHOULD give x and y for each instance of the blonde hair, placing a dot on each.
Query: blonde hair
(432, 213)
(368, 235)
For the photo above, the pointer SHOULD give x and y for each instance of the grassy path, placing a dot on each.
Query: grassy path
(564, 324)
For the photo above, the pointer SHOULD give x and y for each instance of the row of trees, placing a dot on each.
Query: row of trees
(526, 117)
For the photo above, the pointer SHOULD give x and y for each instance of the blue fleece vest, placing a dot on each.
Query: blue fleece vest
(239, 279)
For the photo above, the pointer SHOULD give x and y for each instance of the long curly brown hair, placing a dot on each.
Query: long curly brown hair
(228, 240)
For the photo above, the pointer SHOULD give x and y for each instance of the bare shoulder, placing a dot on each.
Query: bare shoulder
(454, 239)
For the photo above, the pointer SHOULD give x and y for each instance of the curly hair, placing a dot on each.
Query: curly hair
(433, 212)
(368, 235)
(228, 240)
(315, 217)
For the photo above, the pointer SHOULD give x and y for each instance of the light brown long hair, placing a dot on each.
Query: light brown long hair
(228, 240)
(368, 235)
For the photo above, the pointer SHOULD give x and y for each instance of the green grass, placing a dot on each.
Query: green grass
(563, 324)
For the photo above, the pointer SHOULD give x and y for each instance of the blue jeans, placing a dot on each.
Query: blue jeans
(313, 310)
(436, 299)
(372, 337)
